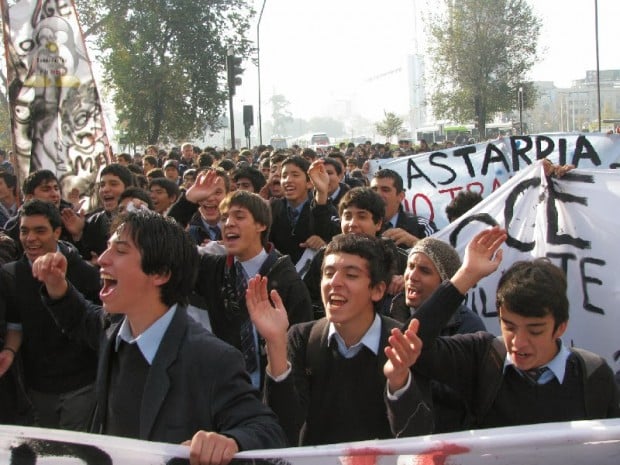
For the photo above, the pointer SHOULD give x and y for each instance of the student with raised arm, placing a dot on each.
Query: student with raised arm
(528, 375)
(161, 376)
(345, 377)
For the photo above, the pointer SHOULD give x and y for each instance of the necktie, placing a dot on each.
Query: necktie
(293, 215)
(248, 346)
(389, 225)
(535, 373)
(215, 233)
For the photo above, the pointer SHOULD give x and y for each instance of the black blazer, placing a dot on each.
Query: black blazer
(196, 381)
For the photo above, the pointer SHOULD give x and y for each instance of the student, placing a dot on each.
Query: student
(163, 193)
(222, 278)
(403, 228)
(202, 214)
(431, 262)
(529, 375)
(161, 376)
(8, 196)
(59, 373)
(361, 210)
(90, 234)
(301, 221)
(327, 379)
(42, 185)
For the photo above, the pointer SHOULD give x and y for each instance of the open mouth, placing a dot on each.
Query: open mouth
(336, 301)
(108, 286)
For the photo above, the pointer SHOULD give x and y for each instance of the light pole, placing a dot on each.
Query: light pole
(520, 102)
(598, 79)
(260, 114)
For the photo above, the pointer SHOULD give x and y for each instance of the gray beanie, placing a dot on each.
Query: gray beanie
(443, 255)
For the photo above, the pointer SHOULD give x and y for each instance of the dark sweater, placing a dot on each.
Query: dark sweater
(53, 362)
(354, 408)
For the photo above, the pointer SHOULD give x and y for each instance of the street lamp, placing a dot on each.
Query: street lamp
(260, 115)
(520, 103)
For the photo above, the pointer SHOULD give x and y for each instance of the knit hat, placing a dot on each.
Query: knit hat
(443, 255)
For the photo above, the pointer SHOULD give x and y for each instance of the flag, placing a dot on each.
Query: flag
(56, 115)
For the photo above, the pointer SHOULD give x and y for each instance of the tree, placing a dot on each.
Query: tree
(280, 114)
(165, 61)
(481, 51)
(392, 125)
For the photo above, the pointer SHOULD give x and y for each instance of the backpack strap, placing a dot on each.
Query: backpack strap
(490, 376)
(594, 386)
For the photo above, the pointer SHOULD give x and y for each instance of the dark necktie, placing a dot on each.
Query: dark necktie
(293, 215)
(535, 373)
(389, 225)
(215, 233)
(248, 347)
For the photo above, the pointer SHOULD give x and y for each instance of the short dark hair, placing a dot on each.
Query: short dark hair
(134, 192)
(379, 254)
(165, 248)
(171, 187)
(151, 159)
(462, 203)
(335, 163)
(299, 162)
(35, 179)
(363, 198)
(308, 152)
(205, 160)
(40, 207)
(394, 176)
(10, 180)
(155, 173)
(256, 205)
(252, 174)
(124, 156)
(534, 288)
(120, 171)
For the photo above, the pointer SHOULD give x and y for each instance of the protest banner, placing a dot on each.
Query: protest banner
(569, 443)
(571, 221)
(433, 179)
(56, 115)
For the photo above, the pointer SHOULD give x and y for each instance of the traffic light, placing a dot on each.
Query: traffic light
(234, 70)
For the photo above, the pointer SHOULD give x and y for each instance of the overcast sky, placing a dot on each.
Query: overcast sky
(316, 50)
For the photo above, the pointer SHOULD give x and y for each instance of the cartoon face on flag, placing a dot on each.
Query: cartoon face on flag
(57, 120)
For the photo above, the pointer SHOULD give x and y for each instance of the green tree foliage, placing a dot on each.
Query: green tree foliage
(481, 51)
(392, 125)
(165, 61)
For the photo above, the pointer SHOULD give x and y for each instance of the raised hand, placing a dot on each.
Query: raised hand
(402, 352)
(51, 270)
(482, 257)
(207, 182)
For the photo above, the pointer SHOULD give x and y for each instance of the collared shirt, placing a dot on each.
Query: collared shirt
(371, 339)
(393, 220)
(212, 230)
(335, 194)
(148, 342)
(556, 367)
(298, 208)
(252, 266)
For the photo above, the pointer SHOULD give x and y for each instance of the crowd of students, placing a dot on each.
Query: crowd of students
(270, 298)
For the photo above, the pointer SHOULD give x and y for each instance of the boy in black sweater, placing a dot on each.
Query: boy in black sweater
(528, 375)
(345, 377)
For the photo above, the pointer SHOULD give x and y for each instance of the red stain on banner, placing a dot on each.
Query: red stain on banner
(439, 454)
(363, 456)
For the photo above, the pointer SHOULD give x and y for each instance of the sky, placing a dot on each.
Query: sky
(319, 51)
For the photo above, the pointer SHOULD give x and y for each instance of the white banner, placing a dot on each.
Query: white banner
(56, 113)
(433, 179)
(572, 222)
(570, 443)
